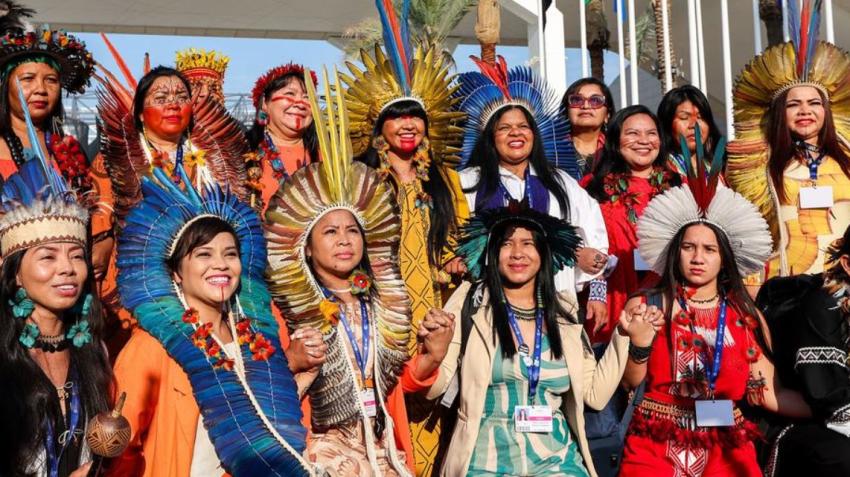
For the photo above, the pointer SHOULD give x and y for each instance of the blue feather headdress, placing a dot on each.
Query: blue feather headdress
(254, 421)
(563, 238)
(482, 94)
(36, 205)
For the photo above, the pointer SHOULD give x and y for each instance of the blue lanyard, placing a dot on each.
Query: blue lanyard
(178, 160)
(49, 444)
(712, 373)
(534, 367)
(362, 357)
(526, 193)
(812, 163)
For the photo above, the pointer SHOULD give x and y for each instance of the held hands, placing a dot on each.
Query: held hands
(591, 261)
(597, 311)
(307, 351)
(640, 323)
(435, 334)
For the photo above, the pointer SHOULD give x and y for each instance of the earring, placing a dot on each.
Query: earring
(80, 333)
(22, 306)
(83, 307)
(262, 117)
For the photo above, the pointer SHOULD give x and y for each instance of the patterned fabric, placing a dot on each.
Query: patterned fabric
(821, 355)
(500, 450)
(341, 452)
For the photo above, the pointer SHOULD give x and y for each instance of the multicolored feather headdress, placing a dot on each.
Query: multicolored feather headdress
(36, 206)
(402, 74)
(203, 68)
(563, 238)
(337, 183)
(481, 95)
(254, 420)
(65, 52)
(703, 200)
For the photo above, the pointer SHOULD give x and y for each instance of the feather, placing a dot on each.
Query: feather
(122, 65)
(397, 51)
(51, 176)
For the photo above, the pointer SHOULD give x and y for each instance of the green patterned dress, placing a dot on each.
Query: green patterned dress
(499, 450)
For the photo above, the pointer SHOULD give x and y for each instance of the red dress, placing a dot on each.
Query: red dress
(622, 242)
(663, 439)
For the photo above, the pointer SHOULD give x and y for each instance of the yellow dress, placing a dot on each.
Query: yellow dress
(426, 292)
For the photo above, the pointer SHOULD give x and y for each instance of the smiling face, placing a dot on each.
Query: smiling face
(804, 113)
(335, 246)
(209, 273)
(639, 142)
(699, 255)
(41, 86)
(519, 260)
(167, 109)
(403, 134)
(513, 136)
(53, 276)
(288, 108)
(583, 114)
(685, 122)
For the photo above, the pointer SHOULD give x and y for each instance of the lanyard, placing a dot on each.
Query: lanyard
(49, 444)
(362, 357)
(712, 373)
(526, 192)
(178, 160)
(812, 163)
(533, 368)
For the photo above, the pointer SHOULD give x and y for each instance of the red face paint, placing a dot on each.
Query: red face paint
(167, 121)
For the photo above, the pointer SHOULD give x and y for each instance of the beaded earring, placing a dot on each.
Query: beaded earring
(262, 117)
(22, 306)
(80, 332)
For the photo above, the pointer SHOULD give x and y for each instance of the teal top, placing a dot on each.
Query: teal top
(499, 449)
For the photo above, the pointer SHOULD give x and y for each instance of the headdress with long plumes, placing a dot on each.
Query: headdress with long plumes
(481, 95)
(337, 183)
(36, 206)
(253, 420)
(67, 53)
(802, 61)
(703, 199)
(215, 132)
(402, 74)
(563, 238)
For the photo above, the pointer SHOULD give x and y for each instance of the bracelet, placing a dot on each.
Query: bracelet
(639, 354)
(598, 290)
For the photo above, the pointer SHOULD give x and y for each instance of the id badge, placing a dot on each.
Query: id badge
(367, 397)
(533, 419)
(640, 264)
(816, 197)
(717, 413)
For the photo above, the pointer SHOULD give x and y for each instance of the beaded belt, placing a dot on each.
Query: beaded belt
(685, 417)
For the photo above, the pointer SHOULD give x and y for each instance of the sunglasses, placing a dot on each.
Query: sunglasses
(577, 101)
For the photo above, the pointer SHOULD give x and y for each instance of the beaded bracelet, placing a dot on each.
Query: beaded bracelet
(639, 354)
(598, 290)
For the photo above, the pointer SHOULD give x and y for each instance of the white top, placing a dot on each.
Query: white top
(584, 214)
(205, 462)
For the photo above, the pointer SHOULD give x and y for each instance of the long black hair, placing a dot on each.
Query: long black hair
(443, 215)
(730, 283)
(256, 134)
(667, 114)
(545, 281)
(486, 158)
(612, 161)
(145, 84)
(31, 397)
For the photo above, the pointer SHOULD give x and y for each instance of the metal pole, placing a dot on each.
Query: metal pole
(633, 56)
(582, 20)
(622, 57)
(756, 27)
(727, 67)
(786, 33)
(830, 23)
(693, 54)
(668, 68)
(701, 44)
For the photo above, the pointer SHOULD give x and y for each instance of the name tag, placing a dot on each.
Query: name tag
(716, 413)
(816, 197)
(640, 265)
(367, 397)
(533, 419)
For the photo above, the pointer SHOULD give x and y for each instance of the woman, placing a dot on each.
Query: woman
(412, 142)
(156, 124)
(589, 105)
(711, 351)
(333, 234)
(206, 344)
(794, 165)
(52, 360)
(283, 138)
(515, 312)
(514, 147)
(680, 112)
(632, 172)
(205, 71)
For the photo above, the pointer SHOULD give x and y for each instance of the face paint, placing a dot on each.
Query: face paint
(168, 122)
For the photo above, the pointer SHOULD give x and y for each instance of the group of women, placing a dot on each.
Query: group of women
(398, 271)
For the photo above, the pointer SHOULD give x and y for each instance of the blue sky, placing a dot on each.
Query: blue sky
(249, 58)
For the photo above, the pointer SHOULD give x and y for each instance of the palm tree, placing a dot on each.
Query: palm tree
(659, 43)
(597, 37)
(771, 14)
(431, 21)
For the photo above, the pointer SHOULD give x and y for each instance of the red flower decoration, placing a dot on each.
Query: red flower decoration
(360, 282)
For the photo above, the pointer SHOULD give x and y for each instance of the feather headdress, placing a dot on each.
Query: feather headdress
(563, 238)
(66, 52)
(253, 420)
(337, 183)
(481, 95)
(703, 199)
(402, 74)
